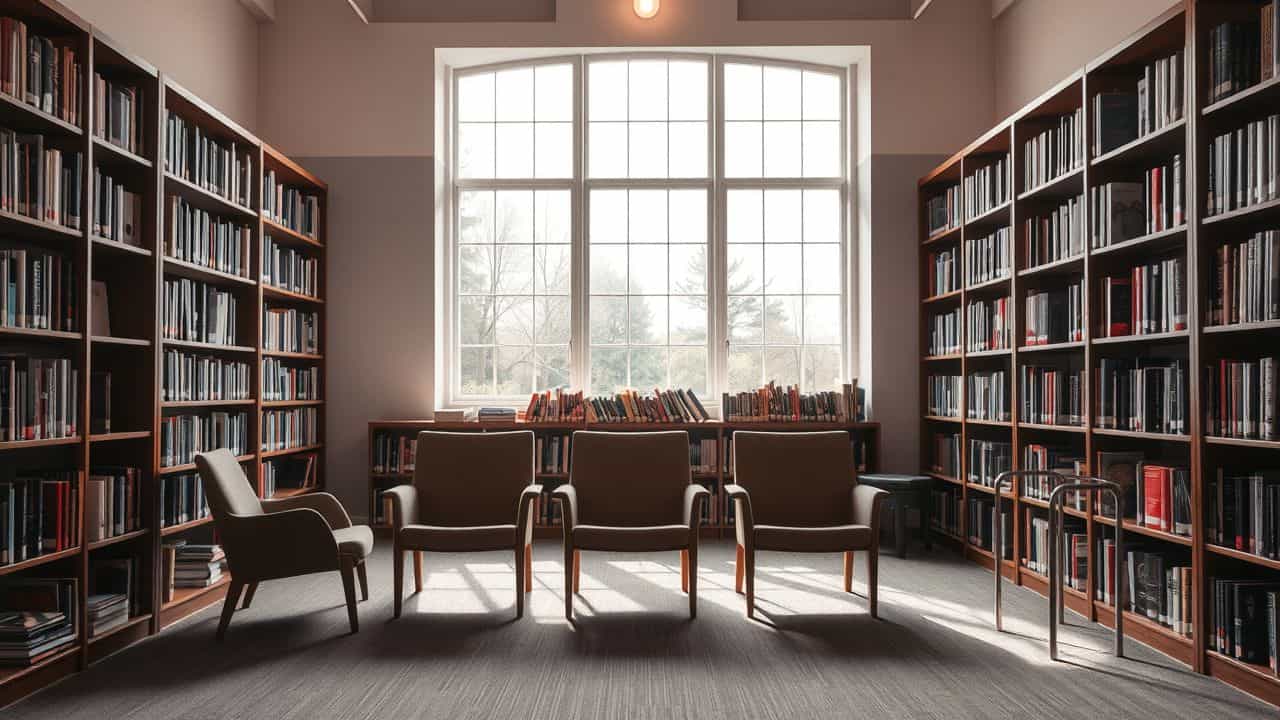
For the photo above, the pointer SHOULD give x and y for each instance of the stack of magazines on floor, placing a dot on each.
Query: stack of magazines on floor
(37, 618)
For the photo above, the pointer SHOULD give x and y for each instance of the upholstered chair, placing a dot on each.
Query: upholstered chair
(471, 492)
(798, 492)
(272, 539)
(631, 492)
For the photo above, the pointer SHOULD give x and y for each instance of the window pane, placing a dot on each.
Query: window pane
(688, 321)
(648, 270)
(514, 221)
(552, 367)
(745, 269)
(475, 98)
(742, 92)
(608, 320)
(822, 268)
(781, 93)
(822, 366)
(515, 370)
(782, 319)
(515, 95)
(551, 320)
(782, 216)
(822, 319)
(648, 367)
(745, 216)
(609, 269)
(608, 216)
(822, 216)
(553, 222)
(513, 269)
(514, 321)
(688, 90)
(688, 216)
(647, 83)
(608, 369)
(746, 367)
(551, 267)
(782, 149)
(476, 370)
(821, 96)
(648, 143)
(607, 149)
(745, 319)
(475, 150)
(821, 149)
(475, 320)
(782, 365)
(475, 217)
(782, 269)
(688, 151)
(689, 369)
(553, 101)
(648, 216)
(743, 149)
(475, 269)
(607, 90)
(553, 151)
(515, 150)
(688, 269)
(648, 320)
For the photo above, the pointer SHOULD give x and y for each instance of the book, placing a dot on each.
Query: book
(291, 428)
(943, 395)
(1141, 395)
(1240, 399)
(197, 312)
(1055, 151)
(118, 113)
(38, 290)
(1057, 235)
(289, 268)
(1115, 119)
(39, 513)
(1121, 468)
(117, 211)
(987, 395)
(1120, 213)
(988, 187)
(289, 206)
(38, 617)
(989, 325)
(199, 237)
(774, 403)
(188, 376)
(988, 257)
(39, 398)
(945, 332)
(222, 167)
(182, 436)
(290, 330)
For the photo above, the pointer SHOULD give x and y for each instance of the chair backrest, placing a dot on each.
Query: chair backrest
(225, 486)
(802, 479)
(472, 478)
(630, 479)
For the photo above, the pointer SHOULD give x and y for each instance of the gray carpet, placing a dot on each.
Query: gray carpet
(458, 653)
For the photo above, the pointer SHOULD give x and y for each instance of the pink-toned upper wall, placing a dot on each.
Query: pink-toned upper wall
(332, 86)
(209, 46)
(1039, 42)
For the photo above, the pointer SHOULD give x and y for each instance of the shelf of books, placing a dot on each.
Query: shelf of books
(141, 222)
(1129, 215)
(554, 416)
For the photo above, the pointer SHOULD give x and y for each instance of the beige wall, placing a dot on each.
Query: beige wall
(209, 46)
(1039, 42)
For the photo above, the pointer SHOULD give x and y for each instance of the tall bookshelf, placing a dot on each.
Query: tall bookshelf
(133, 348)
(1184, 28)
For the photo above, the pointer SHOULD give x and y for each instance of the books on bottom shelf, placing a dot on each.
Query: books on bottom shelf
(394, 453)
(114, 589)
(38, 617)
(1242, 511)
(297, 472)
(1245, 617)
(1075, 549)
(1157, 585)
(188, 565)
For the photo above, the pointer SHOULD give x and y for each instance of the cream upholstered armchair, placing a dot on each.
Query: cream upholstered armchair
(797, 492)
(471, 492)
(272, 539)
(631, 492)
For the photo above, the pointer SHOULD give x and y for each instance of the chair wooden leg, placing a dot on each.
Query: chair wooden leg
(577, 570)
(684, 571)
(397, 573)
(750, 572)
(848, 571)
(520, 573)
(528, 567)
(347, 570)
(248, 596)
(417, 571)
(873, 579)
(739, 563)
(363, 576)
(570, 562)
(691, 556)
(229, 606)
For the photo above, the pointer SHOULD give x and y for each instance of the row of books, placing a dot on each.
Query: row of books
(559, 405)
(117, 212)
(987, 394)
(188, 565)
(945, 455)
(289, 269)
(1153, 103)
(1056, 236)
(980, 525)
(182, 499)
(1162, 495)
(987, 258)
(1119, 213)
(1243, 511)
(1157, 584)
(1240, 399)
(288, 473)
(288, 206)
(1054, 316)
(39, 182)
(220, 167)
(394, 453)
(1063, 460)
(39, 398)
(664, 406)
(112, 502)
(775, 403)
(942, 212)
(945, 277)
(989, 325)
(39, 617)
(1051, 396)
(39, 290)
(987, 459)
(1152, 299)
(1244, 281)
(1244, 166)
(117, 113)
(41, 71)
(943, 395)
(115, 586)
(290, 330)
(39, 514)
(1074, 562)
(191, 376)
(1164, 196)
(988, 187)
(551, 454)
(198, 312)
(282, 381)
(202, 238)
(182, 436)
(1143, 395)
(946, 509)
(291, 428)
(944, 333)
(1242, 52)
(1245, 617)
(1055, 151)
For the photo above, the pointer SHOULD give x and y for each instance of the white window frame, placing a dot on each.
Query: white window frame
(580, 185)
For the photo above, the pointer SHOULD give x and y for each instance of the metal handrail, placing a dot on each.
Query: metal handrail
(1056, 606)
(1002, 479)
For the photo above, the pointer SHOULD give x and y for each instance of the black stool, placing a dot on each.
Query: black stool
(905, 491)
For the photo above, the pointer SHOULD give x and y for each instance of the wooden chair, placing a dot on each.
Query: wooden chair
(630, 492)
(798, 492)
(471, 492)
(272, 539)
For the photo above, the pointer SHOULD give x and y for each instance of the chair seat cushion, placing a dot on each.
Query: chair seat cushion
(627, 539)
(356, 540)
(833, 538)
(473, 538)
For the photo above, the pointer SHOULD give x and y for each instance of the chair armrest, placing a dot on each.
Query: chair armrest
(568, 498)
(524, 525)
(404, 504)
(279, 544)
(866, 505)
(694, 495)
(324, 503)
(742, 507)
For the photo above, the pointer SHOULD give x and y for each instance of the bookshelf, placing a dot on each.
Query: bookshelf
(711, 466)
(1190, 241)
(133, 266)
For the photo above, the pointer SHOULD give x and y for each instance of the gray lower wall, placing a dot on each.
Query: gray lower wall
(379, 323)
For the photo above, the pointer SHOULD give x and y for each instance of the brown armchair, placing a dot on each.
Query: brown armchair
(797, 492)
(272, 539)
(471, 492)
(631, 492)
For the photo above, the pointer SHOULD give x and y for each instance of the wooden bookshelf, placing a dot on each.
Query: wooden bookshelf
(1183, 28)
(133, 348)
(865, 436)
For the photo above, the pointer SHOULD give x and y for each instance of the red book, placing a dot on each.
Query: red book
(1153, 481)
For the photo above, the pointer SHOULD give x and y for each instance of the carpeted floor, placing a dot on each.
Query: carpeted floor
(459, 653)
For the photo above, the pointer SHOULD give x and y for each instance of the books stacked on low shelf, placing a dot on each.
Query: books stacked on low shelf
(455, 415)
(112, 502)
(1243, 511)
(1244, 281)
(1244, 616)
(674, 405)
(774, 403)
(39, 514)
(115, 586)
(551, 454)
(496, 415)
(182, 499)
(38, 618)
(557, 405)
(394, 453)
(1157, 583)
(195, 566)
(297, 472)
(107, 611)
(1075, 548)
